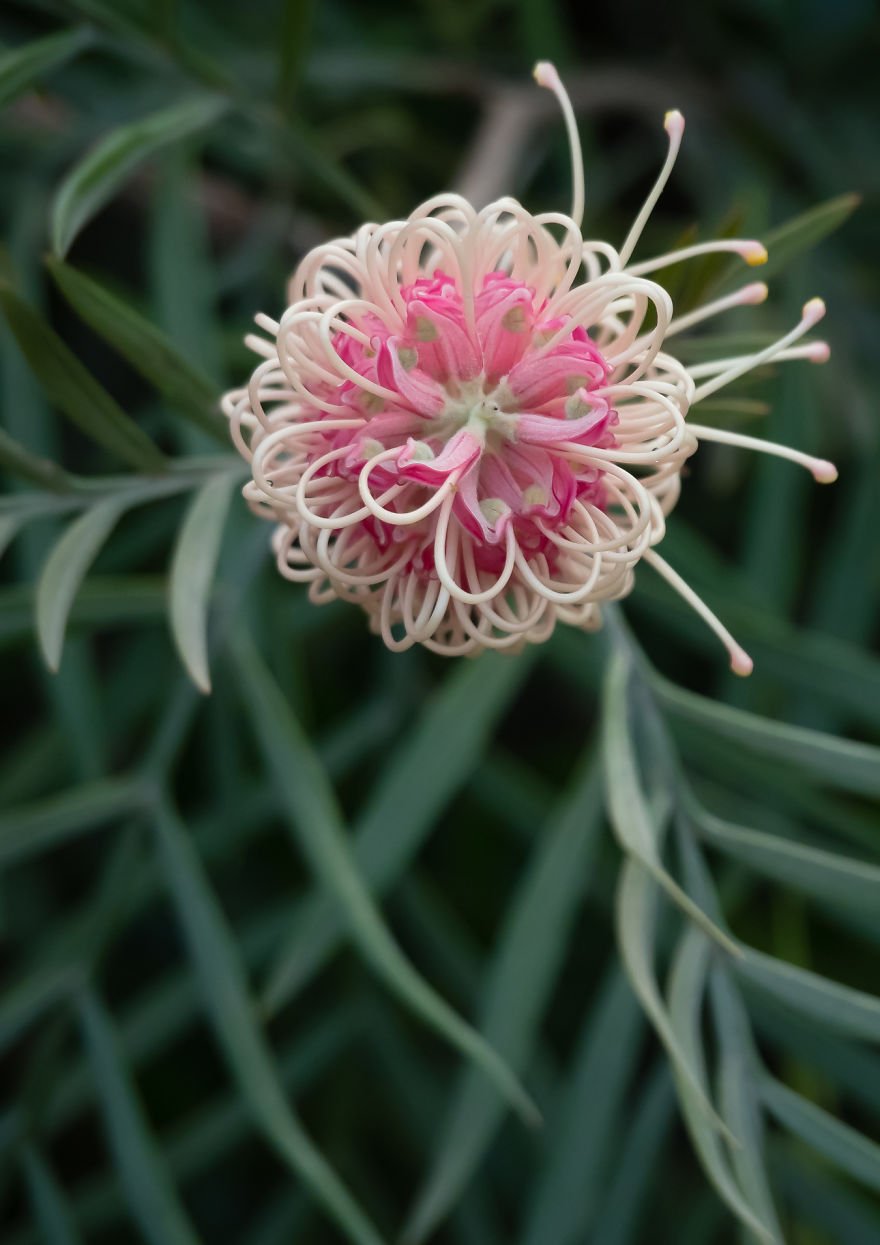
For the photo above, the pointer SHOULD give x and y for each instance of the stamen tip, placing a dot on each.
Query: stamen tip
(820, 352)
(813, 311)
(545, 74)
(755, 293)
(824, 472)
(754, 253)
(673, 123)
(740, 662)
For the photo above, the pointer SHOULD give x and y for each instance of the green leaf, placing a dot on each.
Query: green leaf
(636, 909)
(70, 387)
(29, 466)
(637, 1163)
(100, 173)
(521, 975)
(738, 1075)
(293, 37)
(800, 234)
(22, 67)
(423, 772)
(145, 347)
(584, 1130)
(841, 763)
(829, 1204)
(634, 823)
(65, 568)
(316, 823)
(38, 992)
(850, 1150)
(54, 820)
(150, 1193)
(50, 1208)
(826, 875)
(838, 1007)
(225, 995)
(192, 575)
(687, 987)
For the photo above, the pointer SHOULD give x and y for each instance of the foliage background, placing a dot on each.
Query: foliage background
(166, 945)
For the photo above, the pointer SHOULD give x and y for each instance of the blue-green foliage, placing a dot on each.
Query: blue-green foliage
(280, 960)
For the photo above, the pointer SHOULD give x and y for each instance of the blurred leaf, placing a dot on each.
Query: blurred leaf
(738, 1073)
(633, 822)
(22, 67)
(50, 1208)
(192, 574)
(856, 1154)
(295, 26)
(826, 875)
(638, 1162)
(225, 996)
(65, 568)
(806, 993)
(151, 1195)
(9, 528)
(315, 820)
(583, 1132)
(22, 462)
(22, 1003)
(53, 820)
(145, 347)
(839, 762)
(637, 898)
(423, 772)
(101, 601)
(521, 975)
(687, 986)
(800, 234)
(831, 1205)
(70, 387)
(101, 172)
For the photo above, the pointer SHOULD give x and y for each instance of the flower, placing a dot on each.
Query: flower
(470, 422)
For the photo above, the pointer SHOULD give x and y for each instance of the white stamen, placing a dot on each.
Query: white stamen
(545, 75)
(754, 253)
(740, 662)
(823, 471)
(748, 296)
(673, 124)
(813, 312)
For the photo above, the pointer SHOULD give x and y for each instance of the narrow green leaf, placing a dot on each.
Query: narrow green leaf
(637, 1163)
(850, 1150)
(841, 763)
(23, 67)
(101, 172)
(150, 1193)
(65, 568)
(9, 528)
(634, 824)
(37, 826)
(192, 575)
(521, 976)
(738, 1075)
(826, 875)
(315, 820)
(29, 466)
(145, 347)
(50, 1208)
(786, 242)
(686, 991)
(293, 38)
(38, 992)
(636, 909)
(584, 1132)
(829, 1204)
(423, 772)
(73, 389)
(836, 1006)
(225, 995)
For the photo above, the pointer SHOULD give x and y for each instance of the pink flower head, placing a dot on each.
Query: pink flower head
(468, 422)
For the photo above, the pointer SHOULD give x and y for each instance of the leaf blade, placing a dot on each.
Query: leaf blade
(22, 67)
(192, 574)
(94, 180)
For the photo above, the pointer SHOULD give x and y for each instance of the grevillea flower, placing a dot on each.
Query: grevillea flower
(471, 423)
